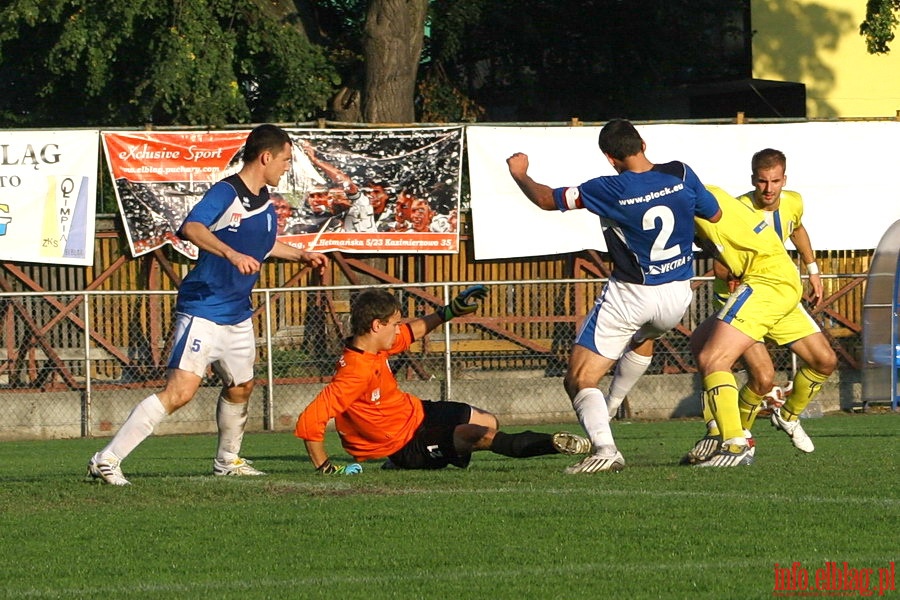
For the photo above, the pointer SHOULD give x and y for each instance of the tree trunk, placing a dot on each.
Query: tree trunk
(345, 105)
(392, 44)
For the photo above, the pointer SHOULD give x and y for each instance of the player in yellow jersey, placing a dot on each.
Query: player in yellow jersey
(783, 212)
(766, 304)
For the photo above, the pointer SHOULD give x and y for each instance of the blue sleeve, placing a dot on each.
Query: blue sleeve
(593, 195)
(558, 195)
(557, 198)
(706, 205)
(214, 202)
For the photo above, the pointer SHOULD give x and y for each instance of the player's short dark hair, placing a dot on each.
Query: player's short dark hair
(376, 304)
(264, 138)
(620, 139)
(768, 158)
(389, 189)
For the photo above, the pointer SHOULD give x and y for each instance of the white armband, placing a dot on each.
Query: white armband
(812, 268)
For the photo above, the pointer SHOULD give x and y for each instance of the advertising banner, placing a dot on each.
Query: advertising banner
(392, 190)
(48, 196)
(159, 176)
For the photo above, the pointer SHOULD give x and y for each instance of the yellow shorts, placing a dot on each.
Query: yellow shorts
(765, 312)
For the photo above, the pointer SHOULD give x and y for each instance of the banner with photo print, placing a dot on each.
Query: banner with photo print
(159, 176)
(389, 190)
(372, 191)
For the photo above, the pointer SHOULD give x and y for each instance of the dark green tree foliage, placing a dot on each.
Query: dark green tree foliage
(550, 59)
(211, 62)
(130, 62)
(878, 28)
(440, 96)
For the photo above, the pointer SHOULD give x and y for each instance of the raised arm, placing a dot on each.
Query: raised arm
(539, 194)
(330, 171)
(465, 303)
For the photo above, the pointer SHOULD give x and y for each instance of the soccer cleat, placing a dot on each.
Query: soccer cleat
(569, 443)
(596, 462)
(751, 443)
(794, 430)
(107, 470)
(771, 400)
(237, 466)
(788, 389)
(703, 450)
(730, 455)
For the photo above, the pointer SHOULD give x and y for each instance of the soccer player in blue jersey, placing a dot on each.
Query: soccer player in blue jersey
(234, 226)
(647, 211)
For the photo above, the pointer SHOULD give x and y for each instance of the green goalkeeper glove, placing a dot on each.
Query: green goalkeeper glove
(326, 468)
(465, 303)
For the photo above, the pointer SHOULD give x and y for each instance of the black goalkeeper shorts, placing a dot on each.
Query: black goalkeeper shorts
(431, 447)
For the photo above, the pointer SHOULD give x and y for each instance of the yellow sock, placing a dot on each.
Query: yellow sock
(807, 383)
(748, 403)
(722, 397)
(712, 428)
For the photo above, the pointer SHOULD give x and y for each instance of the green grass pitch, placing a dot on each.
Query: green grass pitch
(503, 528)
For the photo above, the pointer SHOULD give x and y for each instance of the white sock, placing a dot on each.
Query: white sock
(231, 418)
(590, 406)
(628, 370)
(136, 428)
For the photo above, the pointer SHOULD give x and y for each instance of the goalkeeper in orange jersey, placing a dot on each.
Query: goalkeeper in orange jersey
(375, 419)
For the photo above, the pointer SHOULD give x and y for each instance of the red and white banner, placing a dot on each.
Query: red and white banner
(159, 176)
(408, 179)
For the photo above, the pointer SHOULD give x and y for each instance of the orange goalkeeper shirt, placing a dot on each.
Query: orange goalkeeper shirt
(371, 414)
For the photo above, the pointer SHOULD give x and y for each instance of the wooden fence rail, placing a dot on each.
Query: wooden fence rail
(42, 330)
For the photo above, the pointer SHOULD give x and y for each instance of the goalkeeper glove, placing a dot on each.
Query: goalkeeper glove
(326, 468)
(465, 303)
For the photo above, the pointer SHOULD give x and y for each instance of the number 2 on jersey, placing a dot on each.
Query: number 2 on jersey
(658, 251)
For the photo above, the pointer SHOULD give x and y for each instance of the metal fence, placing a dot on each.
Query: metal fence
(75, 364)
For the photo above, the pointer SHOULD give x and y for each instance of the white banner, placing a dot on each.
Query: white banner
(48, 196)
(844, 170)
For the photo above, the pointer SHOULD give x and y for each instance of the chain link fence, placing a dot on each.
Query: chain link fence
(509, 357)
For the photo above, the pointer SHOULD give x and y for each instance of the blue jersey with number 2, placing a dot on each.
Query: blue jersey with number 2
(215, 289)
(648, 219)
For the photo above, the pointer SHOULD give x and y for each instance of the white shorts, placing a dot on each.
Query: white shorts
(626, 311)
(229, 349)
